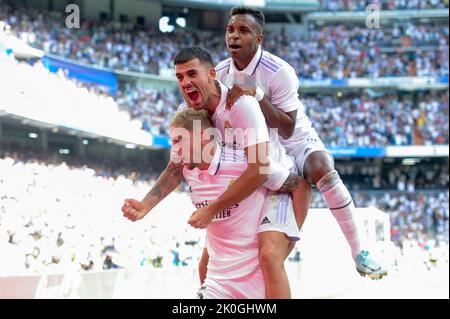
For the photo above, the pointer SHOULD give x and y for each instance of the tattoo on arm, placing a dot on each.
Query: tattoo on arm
(167, 182)
(291, 183)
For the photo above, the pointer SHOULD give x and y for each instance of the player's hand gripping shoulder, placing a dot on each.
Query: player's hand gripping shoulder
(237, 91)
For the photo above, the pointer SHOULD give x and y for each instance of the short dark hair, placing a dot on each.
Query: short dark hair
(255, 13)
(191, 53)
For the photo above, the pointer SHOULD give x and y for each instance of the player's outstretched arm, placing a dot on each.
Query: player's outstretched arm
(167, 182)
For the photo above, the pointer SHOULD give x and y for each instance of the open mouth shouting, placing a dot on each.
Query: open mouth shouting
(194, 95)
(234, 48)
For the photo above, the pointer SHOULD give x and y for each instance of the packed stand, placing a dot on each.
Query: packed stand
(114, 45)
(153, 107)
(47, 228)
(358, 120)
(361, 5)
(421, 216)
(391, 119)
(363, 176)
(342, 51)
(64, 102)
(352, 120)
(336, 51)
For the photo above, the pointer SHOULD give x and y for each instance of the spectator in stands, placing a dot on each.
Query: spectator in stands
(336, 51)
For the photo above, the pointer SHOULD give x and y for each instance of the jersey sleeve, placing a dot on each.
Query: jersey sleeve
(247, 116)
(284, 90)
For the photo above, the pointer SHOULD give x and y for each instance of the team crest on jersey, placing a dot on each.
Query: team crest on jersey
(227, 125)
(230, 140)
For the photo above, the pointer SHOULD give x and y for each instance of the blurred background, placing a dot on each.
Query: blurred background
(84, 113)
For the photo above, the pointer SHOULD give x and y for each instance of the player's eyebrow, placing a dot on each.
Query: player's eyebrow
(189, 72)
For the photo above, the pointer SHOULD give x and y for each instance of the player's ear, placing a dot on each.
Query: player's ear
(259, 38)
(212, 73)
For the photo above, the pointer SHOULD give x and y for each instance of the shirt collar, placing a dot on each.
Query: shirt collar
(251, 67)
(215, 163)
(213, 167)
(223, 93)
(223, 100)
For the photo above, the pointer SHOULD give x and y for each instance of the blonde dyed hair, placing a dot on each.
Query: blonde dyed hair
(186, 118)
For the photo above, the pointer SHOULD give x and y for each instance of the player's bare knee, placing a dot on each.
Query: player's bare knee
(272, 253)
(271, 259)
(317, 166)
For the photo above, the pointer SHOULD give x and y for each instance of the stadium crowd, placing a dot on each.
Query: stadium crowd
(395, 177)
(421, 215)
(336, 51)
(56, 218)
(355, 119)
(361, 5)
(45, 227)
(123, 46)
(26, 86)
(153, 107)
(390, 119)
(351, 120)
(342, 51)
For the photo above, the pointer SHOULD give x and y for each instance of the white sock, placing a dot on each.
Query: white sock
(341, 205)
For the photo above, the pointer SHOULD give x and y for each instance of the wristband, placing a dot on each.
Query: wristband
(259, 95)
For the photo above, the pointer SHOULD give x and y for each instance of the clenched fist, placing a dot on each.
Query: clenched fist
(133, 210)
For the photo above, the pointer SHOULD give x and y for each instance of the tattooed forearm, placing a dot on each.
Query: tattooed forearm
(291, 183)
(167, 182)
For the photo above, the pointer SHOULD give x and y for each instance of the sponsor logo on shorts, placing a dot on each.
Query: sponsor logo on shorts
(265, 221)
